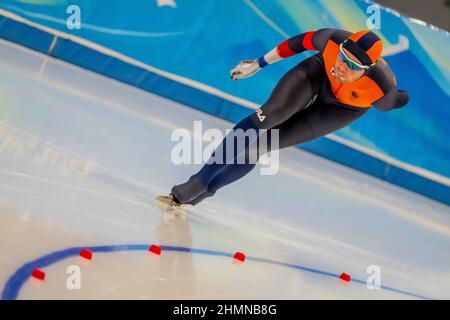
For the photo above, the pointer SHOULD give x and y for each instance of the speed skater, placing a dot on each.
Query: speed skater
(320, 95)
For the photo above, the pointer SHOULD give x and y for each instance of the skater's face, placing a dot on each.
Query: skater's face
(342, 72)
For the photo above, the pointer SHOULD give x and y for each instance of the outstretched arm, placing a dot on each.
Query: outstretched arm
(312, 40)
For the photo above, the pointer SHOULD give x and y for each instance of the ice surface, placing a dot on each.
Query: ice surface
(82, 157)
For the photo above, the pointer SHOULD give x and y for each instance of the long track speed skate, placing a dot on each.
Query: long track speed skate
(169, 203)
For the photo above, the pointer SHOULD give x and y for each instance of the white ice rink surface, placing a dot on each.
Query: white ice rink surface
(82, 157)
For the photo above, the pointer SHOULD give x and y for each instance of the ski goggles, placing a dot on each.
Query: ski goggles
(350, 63)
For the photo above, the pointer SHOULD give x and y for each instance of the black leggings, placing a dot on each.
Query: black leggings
(294, 108)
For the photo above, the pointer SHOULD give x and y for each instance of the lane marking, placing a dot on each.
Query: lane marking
(15, 283)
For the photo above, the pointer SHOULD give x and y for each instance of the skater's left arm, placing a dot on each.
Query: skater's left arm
(395, 99)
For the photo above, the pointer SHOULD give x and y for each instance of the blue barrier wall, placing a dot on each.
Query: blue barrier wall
(190, 47)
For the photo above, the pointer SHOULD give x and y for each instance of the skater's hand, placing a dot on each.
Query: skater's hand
(245, 69)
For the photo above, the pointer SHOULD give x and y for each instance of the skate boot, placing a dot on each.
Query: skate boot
(169, 203)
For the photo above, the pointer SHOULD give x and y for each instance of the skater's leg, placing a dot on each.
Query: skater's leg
(316, 121)
(198, 183)
(232, 173)
(244, 164)
(295, 91)
(229, 175)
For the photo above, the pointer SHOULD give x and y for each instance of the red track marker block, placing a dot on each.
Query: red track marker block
(86, 254)
(239, 256)
(38, 274)
(345, 277)
(155, 249)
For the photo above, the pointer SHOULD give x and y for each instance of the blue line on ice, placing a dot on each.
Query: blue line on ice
(16, 281)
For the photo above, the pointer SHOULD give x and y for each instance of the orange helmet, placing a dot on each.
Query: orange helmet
(365, 45)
